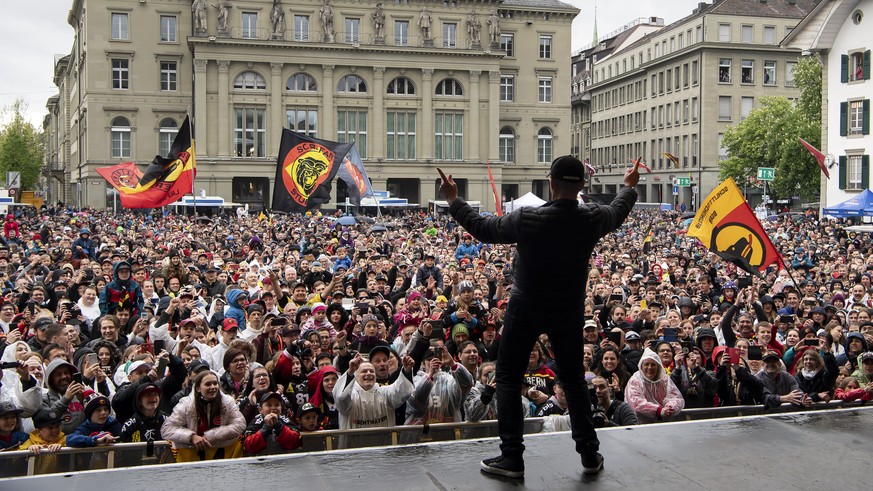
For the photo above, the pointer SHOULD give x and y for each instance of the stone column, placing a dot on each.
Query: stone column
(475, 144)
(426, 133)
(377, 132)
(200, 123)
(224, 116)
(493, 126)
(326, 128)
(276, 124)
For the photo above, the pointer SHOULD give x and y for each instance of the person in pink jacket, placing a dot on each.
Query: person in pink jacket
(651, 393)
(206, 424)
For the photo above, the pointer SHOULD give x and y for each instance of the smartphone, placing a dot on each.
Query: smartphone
(438, 352)
(278, 321)
(616, 298)
(147, 348)
(348, 303)
(159, 345)
(734, 355)
(756, 353)
(744, 282)
(77, 377)
(786, 319)
(671, 334)
(614, 337)
(92, 359)
(362, 306)
(144, 314)
(491, 376)
(161, 369)
(811, 342)
(644, 304)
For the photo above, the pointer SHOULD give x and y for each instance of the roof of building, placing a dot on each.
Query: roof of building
(539, 4)
(767, 8)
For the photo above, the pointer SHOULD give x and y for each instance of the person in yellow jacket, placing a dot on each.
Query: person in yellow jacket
(46, 438)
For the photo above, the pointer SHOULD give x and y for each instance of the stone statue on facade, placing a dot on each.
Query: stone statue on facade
(277, 19)
(198, 9)
(327, 21)
(474, 29)
(379, 23)
(424, 22)
(223, 8)
(494, 28)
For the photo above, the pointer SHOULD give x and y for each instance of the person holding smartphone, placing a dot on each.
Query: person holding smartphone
(564, 230)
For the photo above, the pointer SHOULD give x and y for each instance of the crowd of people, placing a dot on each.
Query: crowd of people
(234, 335)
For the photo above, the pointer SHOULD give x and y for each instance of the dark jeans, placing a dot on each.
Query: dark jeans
(523, 323)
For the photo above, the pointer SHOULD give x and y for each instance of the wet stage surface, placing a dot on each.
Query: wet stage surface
(798, 451)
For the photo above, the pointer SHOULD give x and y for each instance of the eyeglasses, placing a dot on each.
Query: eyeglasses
(262, 375)
(240, 360)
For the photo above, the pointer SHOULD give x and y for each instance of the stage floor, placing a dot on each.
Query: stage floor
(797, 451)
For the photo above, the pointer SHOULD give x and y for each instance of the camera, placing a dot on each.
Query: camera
(75, 311)
(10, 364)
(598, 414)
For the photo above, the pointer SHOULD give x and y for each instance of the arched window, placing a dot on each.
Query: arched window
(544, 146)
(301, 82)
(120, 138)
(401, 86)
(507, 144)
(166, 133)
(449, 87)
(249, 81)
(351, 83)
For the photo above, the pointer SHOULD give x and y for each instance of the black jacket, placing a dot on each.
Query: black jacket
(557, 237)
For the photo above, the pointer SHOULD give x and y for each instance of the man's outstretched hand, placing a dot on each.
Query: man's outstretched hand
(632, 175)
(449, 189)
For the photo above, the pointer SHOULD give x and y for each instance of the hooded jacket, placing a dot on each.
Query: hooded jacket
(141, 428)
(441, 399)
(822, 380)
(72, 410)
(235, 310)
(280, 438)
(319, 398)
(118, 292)
(87, 433)
(845, 356)
(182, 424)
(374, 408)
(649, 397)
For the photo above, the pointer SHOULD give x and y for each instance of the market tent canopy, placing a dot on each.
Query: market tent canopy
(528, 199)
(858, 206)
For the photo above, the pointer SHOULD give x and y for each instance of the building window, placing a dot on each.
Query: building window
(855, 66)
(858, 117)
(351, 126)
(769, 72)
(747, 72)
(854, 172)
(507, 44)
(789, 73)
(507, 88)
(685, 110)
(449, 136)
(301, 28)
(722, 151)
(545, 89)
(769, 35)
(168, 76)
(685, 75)
(166, 134)
(250, 25)
(353, 30)
(303, 121)
(724, 70)
(695, 109)
(401, 33)
(120, 74)
(249, 81)
(120, 28)
(694, 72)
(450, 35)
(168, 28)
(249, 132)
(748, 34)
(746, 106)
(546, 47)
(724, 108)
(724, 33)
(351, 84)
(120, 138)
(401, 135)
(507, 144)
(401, 86)
(301, 82)
(449, 87)
(544, 146)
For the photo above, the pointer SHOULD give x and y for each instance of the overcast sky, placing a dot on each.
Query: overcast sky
(38, 31)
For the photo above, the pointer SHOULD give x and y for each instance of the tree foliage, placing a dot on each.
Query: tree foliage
(21, 146)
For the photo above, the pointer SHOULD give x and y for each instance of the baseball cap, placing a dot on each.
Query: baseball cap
(771, 355)
(229, 324)
(197, 365)
(567, 168)
(632, 336)
(7, 407)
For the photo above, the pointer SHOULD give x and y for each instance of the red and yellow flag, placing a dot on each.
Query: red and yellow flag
(672, 158)
(165, 180)
(726, 225)
(494, 190)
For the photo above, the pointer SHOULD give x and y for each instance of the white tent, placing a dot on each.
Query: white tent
(528, 199)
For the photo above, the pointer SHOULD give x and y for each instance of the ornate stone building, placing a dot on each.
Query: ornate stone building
(417, 84)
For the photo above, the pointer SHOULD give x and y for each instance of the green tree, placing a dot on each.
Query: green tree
(770, 137)
(21, 146)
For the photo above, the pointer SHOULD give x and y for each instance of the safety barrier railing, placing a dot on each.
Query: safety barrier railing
(19, 463)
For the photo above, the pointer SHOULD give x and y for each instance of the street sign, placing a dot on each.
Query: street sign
(13, 180)
(682, 182)
(675, 190)
(766, 173)
(13, 192)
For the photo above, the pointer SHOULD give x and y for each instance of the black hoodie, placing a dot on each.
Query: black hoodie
(141, 428)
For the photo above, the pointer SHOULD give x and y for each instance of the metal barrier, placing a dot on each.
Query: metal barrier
(19, 463)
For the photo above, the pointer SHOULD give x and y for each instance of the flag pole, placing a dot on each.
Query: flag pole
(194, 151)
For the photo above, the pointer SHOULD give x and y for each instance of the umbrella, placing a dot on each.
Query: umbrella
(378, 228)
(347, 220)
(688, 214)
(365, 219)
(204, 219)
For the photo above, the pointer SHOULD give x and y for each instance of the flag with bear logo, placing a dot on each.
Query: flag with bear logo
(726, 225)
(306, 167)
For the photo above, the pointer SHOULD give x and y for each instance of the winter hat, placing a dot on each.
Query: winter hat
(367, 318)
(318, 307)
(460, 328)
(414, 295)
(93, 400)
(441, 298)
